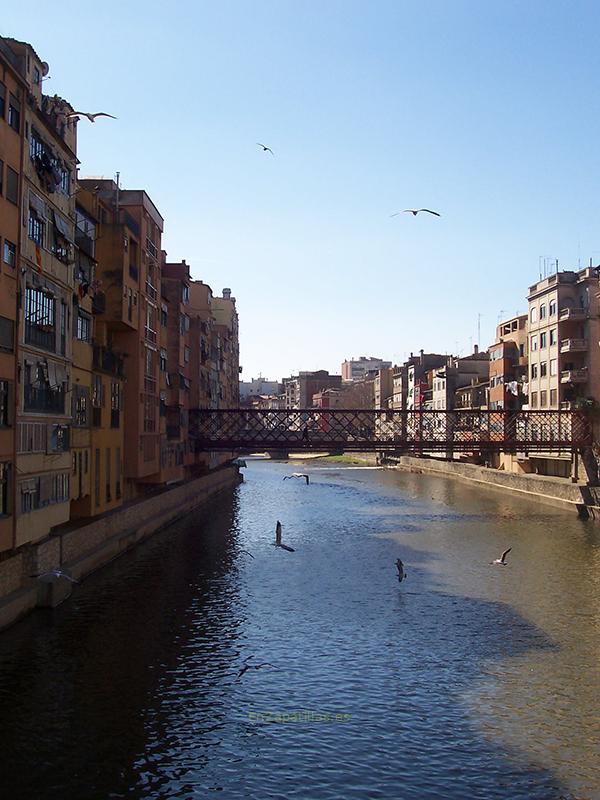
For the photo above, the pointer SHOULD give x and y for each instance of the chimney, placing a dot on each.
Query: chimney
(226, 294)
(476, 349)
(421, 354)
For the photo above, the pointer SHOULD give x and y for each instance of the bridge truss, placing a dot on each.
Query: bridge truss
(420, 431)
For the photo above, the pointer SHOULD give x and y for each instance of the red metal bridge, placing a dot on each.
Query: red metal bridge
(421, 431)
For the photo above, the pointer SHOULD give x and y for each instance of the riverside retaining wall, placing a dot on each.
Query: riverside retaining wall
(87, 547)
(578, 497)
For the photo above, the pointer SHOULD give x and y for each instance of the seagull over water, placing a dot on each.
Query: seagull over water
(415, 211)
(265, 148)
(298, 475)
(252, 666)
(502, 560)
(92, 117)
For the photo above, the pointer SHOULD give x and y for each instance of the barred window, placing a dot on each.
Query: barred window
(36, 228)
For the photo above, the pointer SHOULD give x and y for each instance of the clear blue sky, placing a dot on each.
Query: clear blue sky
(485, 111)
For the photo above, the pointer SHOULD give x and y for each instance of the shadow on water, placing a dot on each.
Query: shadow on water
(132, 688)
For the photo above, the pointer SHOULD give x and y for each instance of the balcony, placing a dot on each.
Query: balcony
(43, 336)
(99, 303)
(572, 314)
(84, 242)
(43, 399)
(573, 346)
(574, 376)
(108, 361)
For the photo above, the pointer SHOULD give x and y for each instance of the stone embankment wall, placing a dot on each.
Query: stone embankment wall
(87, 547)
(582, 499)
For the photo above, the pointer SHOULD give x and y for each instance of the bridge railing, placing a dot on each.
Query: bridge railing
(373, 429)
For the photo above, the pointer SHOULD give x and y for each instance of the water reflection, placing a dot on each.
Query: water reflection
(464, 681)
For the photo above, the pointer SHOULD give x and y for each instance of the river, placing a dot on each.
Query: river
(466, 680)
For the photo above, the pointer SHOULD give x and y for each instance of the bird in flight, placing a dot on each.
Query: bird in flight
(415, 211)
(265, 148)
(252, 666)
(92, 117)
(400, 568)
(502, 560)
(298, 475)
(54, 574)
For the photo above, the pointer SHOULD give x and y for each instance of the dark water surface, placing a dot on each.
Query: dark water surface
(465, 681)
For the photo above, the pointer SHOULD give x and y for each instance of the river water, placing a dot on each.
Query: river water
(465, 681)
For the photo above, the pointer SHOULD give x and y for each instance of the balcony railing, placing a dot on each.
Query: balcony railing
(151, 248)
(108, 361)
(43, 336)
(572, 314)
(43, 399)
(573, 345)
(574, 376)
(150, 335)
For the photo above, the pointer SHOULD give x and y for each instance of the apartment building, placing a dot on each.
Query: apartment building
(13, 91)
(226, 337)
(415, 382)
(98, 431)
(299, 390)
(46, 287)
(176, 454)
(129, 268)
(456, 373)
(356, 369)
(508, 379)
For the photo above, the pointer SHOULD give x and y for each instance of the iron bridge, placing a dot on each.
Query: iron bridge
(421, 431)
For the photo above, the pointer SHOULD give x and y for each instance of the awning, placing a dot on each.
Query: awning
(52, 374)
(37, 204)
(61, 375)
(63, 227)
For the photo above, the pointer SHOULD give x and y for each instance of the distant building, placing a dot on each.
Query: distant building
(299, 389)
(258, 386)
(508, 365)
(356, 369)
(456, 373)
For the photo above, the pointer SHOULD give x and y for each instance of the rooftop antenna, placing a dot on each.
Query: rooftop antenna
(117, 191)
(479, 329)
(501, 315)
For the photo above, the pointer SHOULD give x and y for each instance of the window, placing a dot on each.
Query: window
(533, 400)
(108, 497)
(553, 336)
(534, 371)
(12, 186)
(2, 100)
(163, 361)
(36, 228)
(543, 338)
(552, 308)
(163, 315)
(83, 327)
(1, 177)
(30, 495)
(5, 492)
(533, 343)
(186, 354)
(10, 253)
(543, 369)
(553, 366)
(115, 404)
(533, 314)
(74, 462)
(36, 76)
(5, 404)
(521, 350)
(7, 335)
(184, 323)
(543, 311)
(543, 399)
(14, 113)
(39, 318)
(97, 477)
(81, 397)
(185, 293)
(553, 397)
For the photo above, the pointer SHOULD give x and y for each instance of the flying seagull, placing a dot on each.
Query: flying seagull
(265, 148)
(502, 560)
(298, 475)
(92, 117)
(247, 553)
(415, 211)
(54, 574)
(252, 666)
